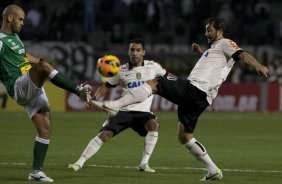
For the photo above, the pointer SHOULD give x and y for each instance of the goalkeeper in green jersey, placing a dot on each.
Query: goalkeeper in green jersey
(23, 76)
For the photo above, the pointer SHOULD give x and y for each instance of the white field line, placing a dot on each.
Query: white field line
(157, 168)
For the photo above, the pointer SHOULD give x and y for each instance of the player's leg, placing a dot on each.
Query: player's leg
(137, 95)
(199, 152)
(43, 70)
(151, 139)
(188, 117)
(37, 106)
(152, 127)
(4, 101)
(3, 95)
(92, 148)
(147, 126)
(195, 148)
(96, 143)
(171, 88)
(42, 122)
(110, 128)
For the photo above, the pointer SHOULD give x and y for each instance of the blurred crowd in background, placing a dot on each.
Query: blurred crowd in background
(103, 22)
(158, 21)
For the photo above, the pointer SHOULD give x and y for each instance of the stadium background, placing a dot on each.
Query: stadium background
(244, 145)
(74, 35)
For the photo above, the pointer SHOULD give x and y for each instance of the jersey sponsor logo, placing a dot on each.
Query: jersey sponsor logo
(135, 84)
(15, 47)
(24, 69)
(233, 44)
(21, 51)
(25, 66)
(206, 53)
(25, 59)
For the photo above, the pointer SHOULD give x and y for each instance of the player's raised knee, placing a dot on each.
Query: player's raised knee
(44, 66)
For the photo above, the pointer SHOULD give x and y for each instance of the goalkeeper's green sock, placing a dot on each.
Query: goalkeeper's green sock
(39, 153)
(62, 81)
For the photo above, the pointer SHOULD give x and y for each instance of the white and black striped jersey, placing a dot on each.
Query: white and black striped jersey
(130, 78)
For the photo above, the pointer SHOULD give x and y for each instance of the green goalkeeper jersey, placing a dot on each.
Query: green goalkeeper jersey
(13, 60)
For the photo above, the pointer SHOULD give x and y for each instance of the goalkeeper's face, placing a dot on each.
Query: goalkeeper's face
(136, 54)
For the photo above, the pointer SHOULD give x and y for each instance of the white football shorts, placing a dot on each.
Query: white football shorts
(30, 96)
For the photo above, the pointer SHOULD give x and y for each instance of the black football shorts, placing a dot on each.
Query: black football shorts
(190, 100)
(128, 119)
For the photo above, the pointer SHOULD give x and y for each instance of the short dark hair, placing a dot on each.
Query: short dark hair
(217, 22)
(138, 41)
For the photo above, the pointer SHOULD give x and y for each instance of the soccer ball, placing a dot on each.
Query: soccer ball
(108, 66)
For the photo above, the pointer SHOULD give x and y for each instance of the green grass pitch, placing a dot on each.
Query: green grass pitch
(246, 146)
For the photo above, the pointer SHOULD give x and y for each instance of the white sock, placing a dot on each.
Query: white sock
(41, 140)
(200, 153)
(150, 143)
(92, 147)
(137, 95)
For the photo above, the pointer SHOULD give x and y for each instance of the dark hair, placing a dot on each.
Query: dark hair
(138, 41)
(217, 22)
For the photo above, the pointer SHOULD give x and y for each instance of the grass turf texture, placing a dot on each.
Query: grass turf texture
(247, 146)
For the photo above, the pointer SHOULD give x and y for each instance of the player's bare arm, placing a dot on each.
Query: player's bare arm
(196, 48)
(32, 59)
(101, 91)
(249, 59)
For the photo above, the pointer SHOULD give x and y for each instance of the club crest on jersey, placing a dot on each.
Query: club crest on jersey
(138, 75)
